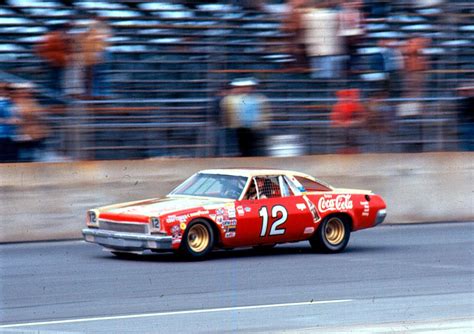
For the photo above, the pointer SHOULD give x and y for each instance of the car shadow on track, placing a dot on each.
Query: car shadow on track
(282, 250)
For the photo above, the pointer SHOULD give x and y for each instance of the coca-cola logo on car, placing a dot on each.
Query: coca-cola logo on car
(341, 202)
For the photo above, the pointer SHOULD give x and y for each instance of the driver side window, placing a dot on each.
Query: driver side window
(264, 187)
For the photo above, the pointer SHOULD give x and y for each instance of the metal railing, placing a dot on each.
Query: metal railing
(162, 95)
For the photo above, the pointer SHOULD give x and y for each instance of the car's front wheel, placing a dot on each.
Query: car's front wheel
(332, 235)
(198, 240)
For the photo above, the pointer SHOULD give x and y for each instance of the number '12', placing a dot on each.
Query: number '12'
(276, 211)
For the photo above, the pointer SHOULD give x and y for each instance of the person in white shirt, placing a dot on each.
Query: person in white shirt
(323, 41)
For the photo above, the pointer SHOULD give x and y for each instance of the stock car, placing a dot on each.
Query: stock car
(230, 208)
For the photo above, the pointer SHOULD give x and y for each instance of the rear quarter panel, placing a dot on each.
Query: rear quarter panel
(361, 207)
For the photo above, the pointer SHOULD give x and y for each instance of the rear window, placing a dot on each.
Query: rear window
(310, 185)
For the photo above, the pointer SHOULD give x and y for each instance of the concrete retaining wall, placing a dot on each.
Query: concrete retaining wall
(49, 201)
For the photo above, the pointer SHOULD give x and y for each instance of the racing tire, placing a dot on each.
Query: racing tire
(198, 240)
(332, 235)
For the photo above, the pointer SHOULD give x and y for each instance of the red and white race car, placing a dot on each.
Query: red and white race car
(228, 208)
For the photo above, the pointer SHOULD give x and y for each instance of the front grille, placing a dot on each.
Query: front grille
(123, 227)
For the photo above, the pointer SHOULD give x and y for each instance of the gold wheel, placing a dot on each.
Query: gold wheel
(334, 231)
(198, 238)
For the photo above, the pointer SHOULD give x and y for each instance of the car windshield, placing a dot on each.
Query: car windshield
(212, 185)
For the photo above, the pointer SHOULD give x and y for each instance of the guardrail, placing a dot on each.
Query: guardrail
(49, 201)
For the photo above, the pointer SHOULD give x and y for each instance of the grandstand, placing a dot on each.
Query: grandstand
(168, 58)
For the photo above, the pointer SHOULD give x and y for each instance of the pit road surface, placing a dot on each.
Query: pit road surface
(395, 278)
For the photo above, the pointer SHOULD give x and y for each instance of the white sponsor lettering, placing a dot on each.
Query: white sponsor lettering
(366, 208)
(301, 206)
(231, 213)
(340, 203)
(308, 230)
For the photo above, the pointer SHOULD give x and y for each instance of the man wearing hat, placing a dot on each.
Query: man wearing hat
(247, 113)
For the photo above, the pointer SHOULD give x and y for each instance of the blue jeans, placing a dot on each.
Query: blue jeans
(100, 86)
(326, 67)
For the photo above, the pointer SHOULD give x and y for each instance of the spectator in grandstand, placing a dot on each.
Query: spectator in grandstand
(216, 118)
(247, 113)
(8, 126)
(409, 111)
(32, 129)
(54, 50)
(466, 118)
(348, 116)
(351, 30)
(415, 66)
(75, 72)
(293, 26)
(95, 43)
(380, 115)
(323, 40)
(391, 65)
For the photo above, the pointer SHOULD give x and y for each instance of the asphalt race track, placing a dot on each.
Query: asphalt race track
(400, 278)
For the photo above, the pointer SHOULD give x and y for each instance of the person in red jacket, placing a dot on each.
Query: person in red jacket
(348, 116)
(54, 50)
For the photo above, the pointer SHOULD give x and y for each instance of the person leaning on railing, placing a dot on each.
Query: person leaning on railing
(247, 113)
(8, 127)
(54, 50)
(32, 130)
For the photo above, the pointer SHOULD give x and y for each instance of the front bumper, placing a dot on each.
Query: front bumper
(127, 241)
(381, 214)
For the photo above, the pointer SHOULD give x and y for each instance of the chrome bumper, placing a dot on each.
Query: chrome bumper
(126, 241)
(381, 214)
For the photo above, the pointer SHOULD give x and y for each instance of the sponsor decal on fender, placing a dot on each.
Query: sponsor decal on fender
(240, 211)
(340, 203)
(230, 235)
(183, 226)
(175, 229)
(231, 212)
(182, 219)
(366, 208)
(308, 230)
(312, 209)
(301, 206)
(199, 213)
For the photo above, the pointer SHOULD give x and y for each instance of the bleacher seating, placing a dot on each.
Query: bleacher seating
(167, 60)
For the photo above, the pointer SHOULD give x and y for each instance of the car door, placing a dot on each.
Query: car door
(280, 217)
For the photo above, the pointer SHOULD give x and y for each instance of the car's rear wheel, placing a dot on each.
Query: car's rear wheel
(198, 240)
(332, 235)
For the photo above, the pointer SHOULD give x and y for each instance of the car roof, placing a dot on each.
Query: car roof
(250, 172)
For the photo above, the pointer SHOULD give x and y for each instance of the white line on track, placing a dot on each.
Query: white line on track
(164, 314)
